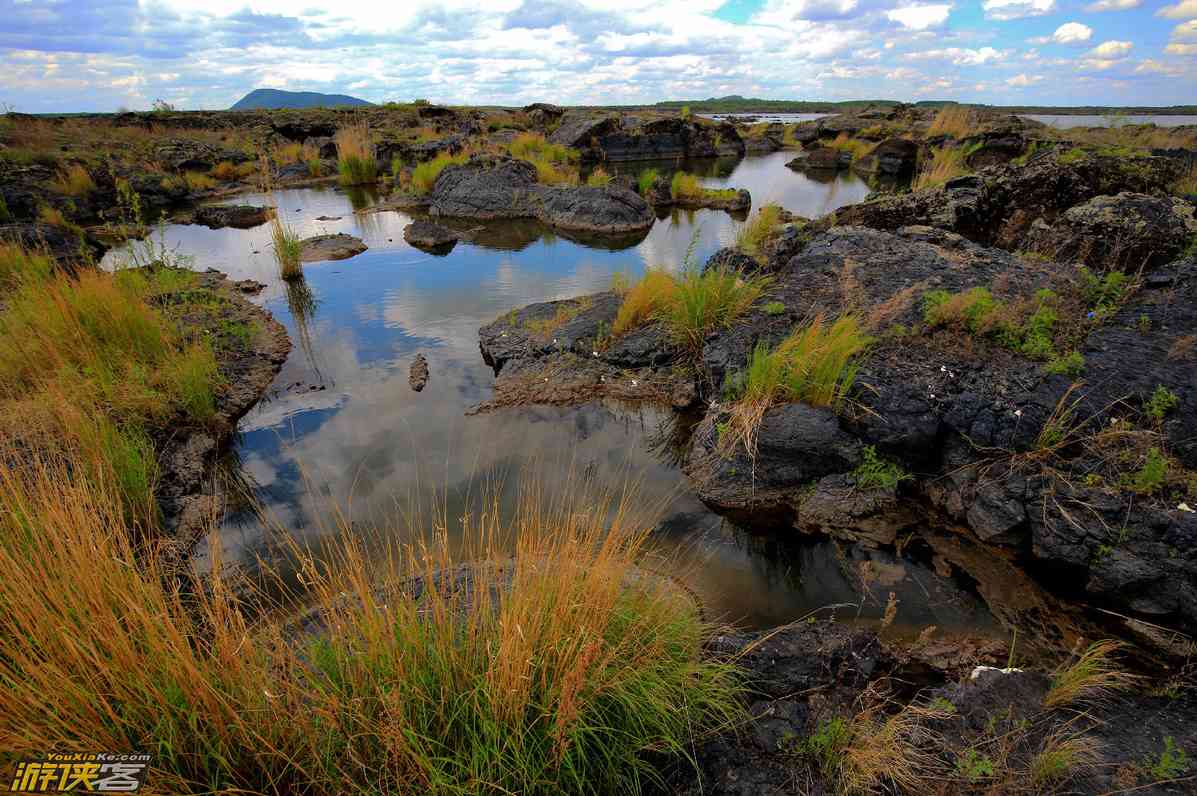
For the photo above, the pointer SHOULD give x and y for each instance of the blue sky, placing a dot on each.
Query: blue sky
(70, 55)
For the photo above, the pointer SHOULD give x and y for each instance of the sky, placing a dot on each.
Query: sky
(102, 55)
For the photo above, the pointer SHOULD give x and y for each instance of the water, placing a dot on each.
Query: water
(1065, 120)
(342, 428)
(783, 118)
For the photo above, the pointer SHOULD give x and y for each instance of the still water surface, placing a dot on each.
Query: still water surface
(342, 428)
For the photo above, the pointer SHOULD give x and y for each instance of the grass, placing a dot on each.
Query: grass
(1186, 184)
(1026, 326)
(690, 306)
(774, 308)
(1070, 364)
(1094, 676)
(686, 187)
(574, 675)
(1161, 402)
(356, 164)
(877, 473)
(74, 180)
(87, 365)
(645, 180)
(1062, 757)
(423, 176)
(816, 364)
(855, 147)
(759, 229)
(1150, 478)
(599, 178)
(287, 248)
(1170, 764)
(952, 120)
(555, 164)
(197, 181)
(947, 163)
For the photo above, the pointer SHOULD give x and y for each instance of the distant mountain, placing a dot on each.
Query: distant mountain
(274, 98)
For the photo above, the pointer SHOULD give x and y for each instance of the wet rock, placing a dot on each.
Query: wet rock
(796, 445)
(821, 158)
(837, 506)
(994, 147)
(731, 259)
(1126, 232)
(331, 247)
(805, 133)
(894, 157)
(738, 201)
(430, 237)
(417, 377)
(489, 187)
(250, 286)
(997, 206)
(236, 216)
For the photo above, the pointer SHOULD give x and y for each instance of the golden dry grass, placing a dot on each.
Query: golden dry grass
(954, 120)
(356, 163)
(946, 163)
(74, 180)
(1093, 676)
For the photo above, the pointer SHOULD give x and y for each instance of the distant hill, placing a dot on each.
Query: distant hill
(274, 98)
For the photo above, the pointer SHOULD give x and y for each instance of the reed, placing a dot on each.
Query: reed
(356, 163)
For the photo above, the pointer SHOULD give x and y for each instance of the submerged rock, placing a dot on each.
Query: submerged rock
(331, 247)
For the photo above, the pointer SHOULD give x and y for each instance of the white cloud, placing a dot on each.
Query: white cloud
(1017, 9)
(960, 56)
(920, 17)
(1113, 5)
(1150, 65)
(1111, 49)
(1185, 9)
(1072, 33)
(1181, 49)
(1024, 80)
(1186, 31)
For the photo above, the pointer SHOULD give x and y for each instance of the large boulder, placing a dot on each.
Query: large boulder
(490, 187)
(1127, 232)
(821, 158)
(236, 216)
(579, 128)
(893, 157)
(330, 247)
(430, 237)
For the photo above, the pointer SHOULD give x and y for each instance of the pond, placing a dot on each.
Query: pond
(342, 429)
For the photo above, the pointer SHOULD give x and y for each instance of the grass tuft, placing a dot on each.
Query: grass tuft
(287, 248)
(599, 178)
(1094, 676)
(423, 176)
(75, 180)
(356, 163)
(953, 120)
(947, 163)
(644, 182)
(1061, 758)
(759, 229)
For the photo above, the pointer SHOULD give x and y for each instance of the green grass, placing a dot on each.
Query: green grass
(288, 248)
(1026, 326)
(690, 305)
(555, 164)
(599, 178)
(877, 473)
(1171, 762)
(946, 163)
(423, 176)
(1070, 364)
(356, 162)
(645, 180)
(756, 231)
(686, 187)
(774, 308)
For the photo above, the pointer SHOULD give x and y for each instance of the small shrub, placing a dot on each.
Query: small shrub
(877, 473)
(684, 185)
(645, 181)
(1071, 364)
(827, 745)
(1171, 763)
(1103, 294)
(684, 113)
(1162, 402)
(774, 308)
(1151, 476)
(356, 163)
(598, 178)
